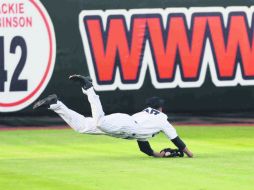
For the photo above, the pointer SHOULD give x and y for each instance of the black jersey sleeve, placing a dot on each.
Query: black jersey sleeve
(179, 143)
(145, 147)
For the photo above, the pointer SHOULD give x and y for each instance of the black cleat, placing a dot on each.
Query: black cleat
(46, 102)
(85, 82)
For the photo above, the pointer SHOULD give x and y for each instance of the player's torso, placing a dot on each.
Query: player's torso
(142, 125)
(150, 122)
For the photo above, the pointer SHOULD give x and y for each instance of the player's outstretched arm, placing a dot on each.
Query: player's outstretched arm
(181, 146)
(145, 147)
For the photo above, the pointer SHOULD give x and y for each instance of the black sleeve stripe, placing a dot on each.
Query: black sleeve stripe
(179, 143)
(145, 147)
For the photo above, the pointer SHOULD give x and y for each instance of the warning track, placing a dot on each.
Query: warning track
(61, 127)
(13, 128)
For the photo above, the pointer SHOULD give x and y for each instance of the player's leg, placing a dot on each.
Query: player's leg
(95, 103)
(116, 125)
(76, 121)
(93, 98)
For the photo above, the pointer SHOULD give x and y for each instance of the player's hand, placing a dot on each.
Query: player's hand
(162, 153)
(169, 153)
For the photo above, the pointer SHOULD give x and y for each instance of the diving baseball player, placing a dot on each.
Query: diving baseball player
(140, 126)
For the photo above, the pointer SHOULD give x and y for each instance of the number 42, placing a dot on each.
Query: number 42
(16, 84)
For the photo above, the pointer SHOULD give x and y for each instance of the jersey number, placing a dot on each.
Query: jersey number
(152, 111)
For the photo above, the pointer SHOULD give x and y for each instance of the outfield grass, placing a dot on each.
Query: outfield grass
(65, 160)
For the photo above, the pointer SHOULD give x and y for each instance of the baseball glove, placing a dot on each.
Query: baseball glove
(169, 153)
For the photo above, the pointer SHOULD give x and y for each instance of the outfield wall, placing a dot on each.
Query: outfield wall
(199, 59)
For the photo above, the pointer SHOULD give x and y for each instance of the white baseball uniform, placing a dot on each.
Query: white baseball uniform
(141, 126)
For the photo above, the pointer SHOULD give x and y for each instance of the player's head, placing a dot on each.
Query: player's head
(155, 102)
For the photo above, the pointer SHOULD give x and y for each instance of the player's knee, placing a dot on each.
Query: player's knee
(79, 130)
(83, 130)
(102, 128)
(101, 124)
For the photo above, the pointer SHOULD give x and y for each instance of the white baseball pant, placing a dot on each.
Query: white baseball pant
(75, 120)
(117, 125)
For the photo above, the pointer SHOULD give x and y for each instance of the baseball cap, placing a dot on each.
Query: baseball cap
(154, 102)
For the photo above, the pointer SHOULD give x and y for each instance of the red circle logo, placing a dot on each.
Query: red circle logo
(27, 30)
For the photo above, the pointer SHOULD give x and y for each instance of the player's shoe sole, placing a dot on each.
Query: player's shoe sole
(46, 102)
(85, 82)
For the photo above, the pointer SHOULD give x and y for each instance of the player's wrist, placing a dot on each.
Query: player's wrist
(188, 152)
(159, 154)
(162, 154)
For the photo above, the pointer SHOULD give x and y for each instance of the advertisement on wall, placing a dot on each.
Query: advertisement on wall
(198, 56)
(176, 46)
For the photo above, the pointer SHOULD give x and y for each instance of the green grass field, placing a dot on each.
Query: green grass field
(65, 160)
